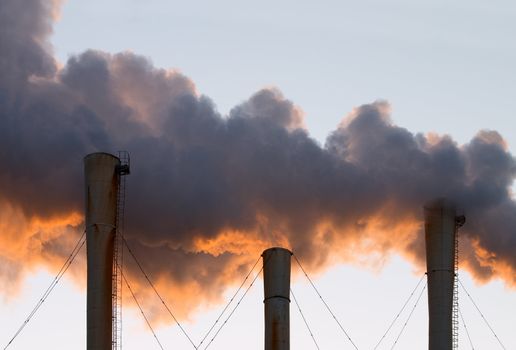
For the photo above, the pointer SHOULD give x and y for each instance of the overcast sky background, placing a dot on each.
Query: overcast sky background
(445, 68)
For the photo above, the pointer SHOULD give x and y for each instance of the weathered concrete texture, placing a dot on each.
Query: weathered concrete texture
(440, 221)
(276, 277)
(102, 181)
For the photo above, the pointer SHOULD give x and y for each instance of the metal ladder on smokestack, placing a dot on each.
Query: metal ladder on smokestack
(459, 221)
(116, 296)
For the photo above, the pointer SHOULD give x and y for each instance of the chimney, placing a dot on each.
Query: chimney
(441, 223)
(276, 278)
(101, 185)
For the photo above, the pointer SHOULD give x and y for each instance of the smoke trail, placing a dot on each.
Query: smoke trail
(209, 192)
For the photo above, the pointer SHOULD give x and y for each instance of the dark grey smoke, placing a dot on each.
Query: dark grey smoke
(206, 189)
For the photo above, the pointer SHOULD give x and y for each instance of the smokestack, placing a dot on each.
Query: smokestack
(276, 279)
(102, 181)
(440, 229)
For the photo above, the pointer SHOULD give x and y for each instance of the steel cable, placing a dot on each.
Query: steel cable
(159, 296)
(304, 319)
(481, 314)
(408, 319)
(229, 303)
(238, 303)
(466, 329)
(141, 310)
(324, 302)
(78, 246)
(233, 311)
(399, 313)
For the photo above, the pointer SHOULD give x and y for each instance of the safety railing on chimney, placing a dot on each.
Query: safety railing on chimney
(122, 170)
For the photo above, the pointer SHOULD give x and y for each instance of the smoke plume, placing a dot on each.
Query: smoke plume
(208, 192)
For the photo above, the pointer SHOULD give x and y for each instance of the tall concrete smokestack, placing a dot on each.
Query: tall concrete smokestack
(102, 182)
(440, 228)
(276, 282)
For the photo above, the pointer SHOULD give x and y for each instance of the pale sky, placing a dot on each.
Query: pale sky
(445, 68)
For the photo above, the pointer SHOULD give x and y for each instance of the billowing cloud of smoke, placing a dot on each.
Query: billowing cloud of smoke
(207, 192)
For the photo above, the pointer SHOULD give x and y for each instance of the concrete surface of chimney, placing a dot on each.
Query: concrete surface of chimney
(440, 221)
(102, 181)
(276, 279)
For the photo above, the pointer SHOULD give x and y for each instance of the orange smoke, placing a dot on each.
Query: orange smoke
(29, 243)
